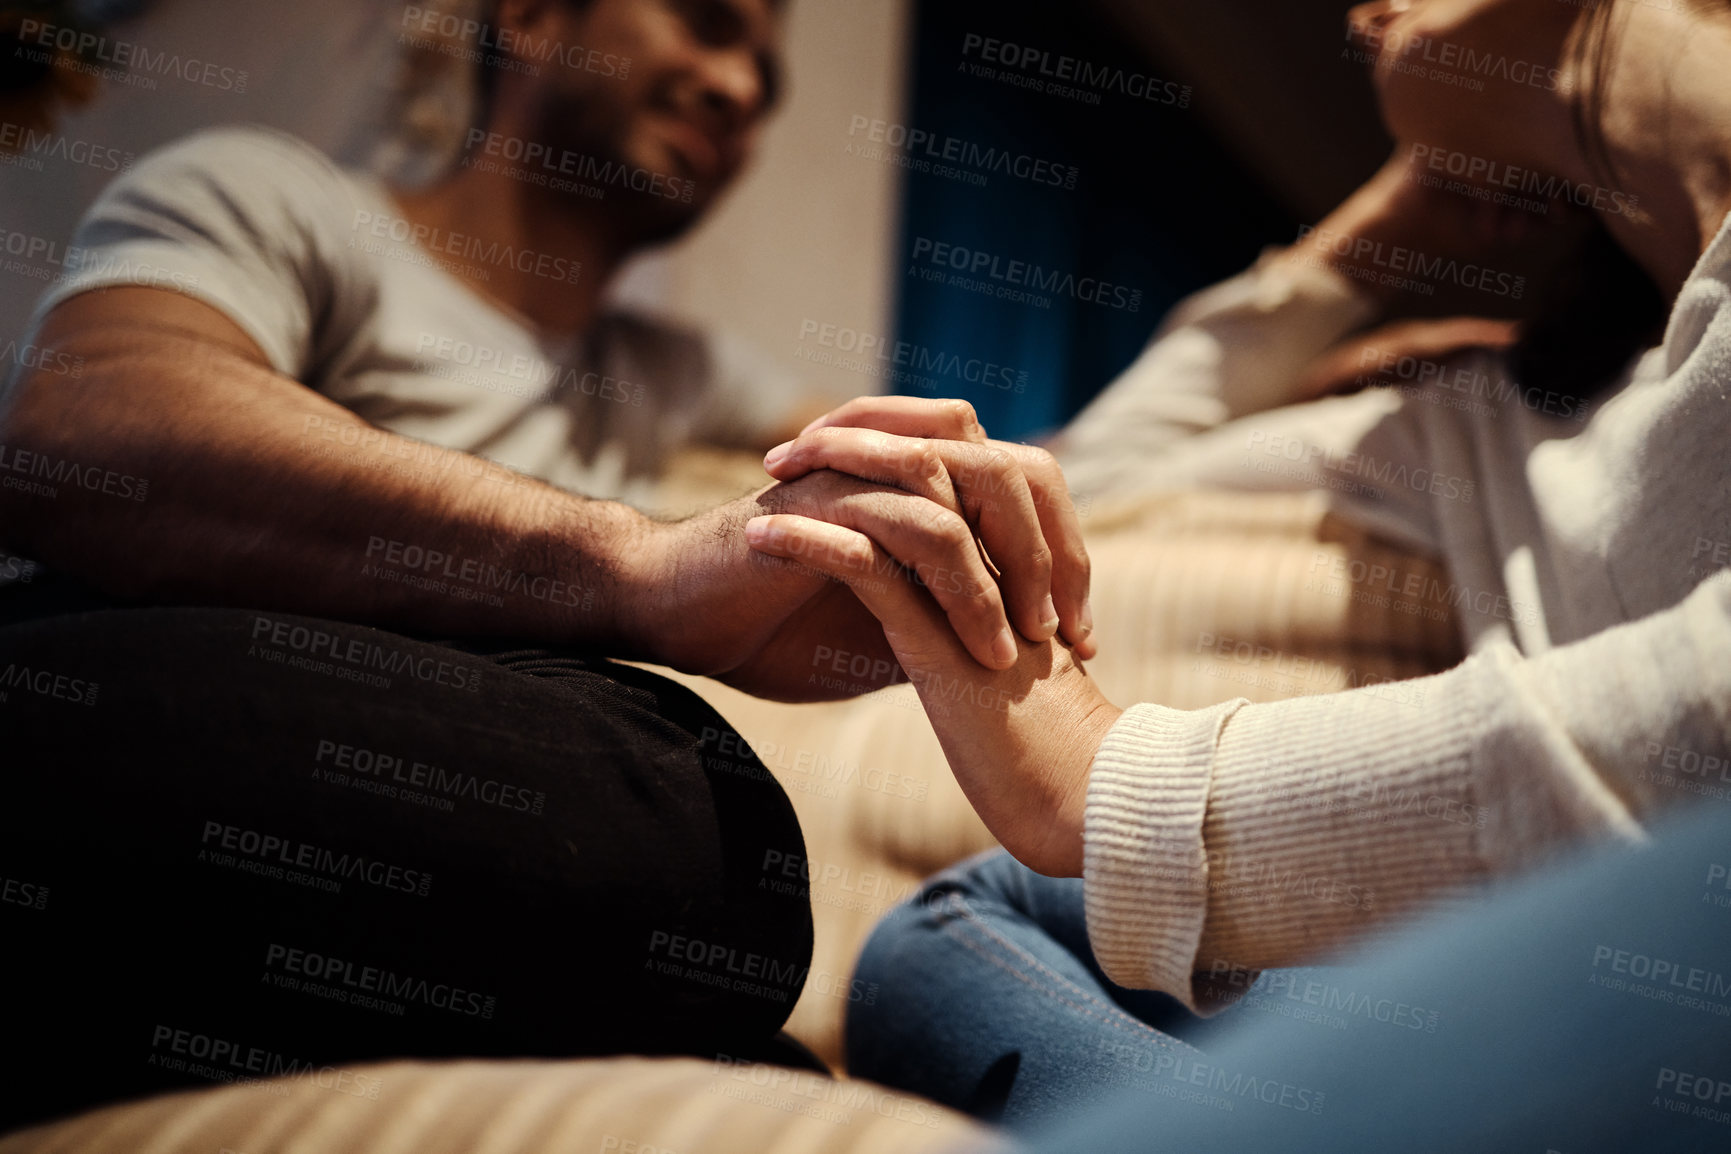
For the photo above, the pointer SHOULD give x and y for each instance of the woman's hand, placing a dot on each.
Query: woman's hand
(1020, 741)
(1011, 497)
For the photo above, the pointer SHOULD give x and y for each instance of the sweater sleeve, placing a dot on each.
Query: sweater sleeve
(1236, 348)
(1229, 839)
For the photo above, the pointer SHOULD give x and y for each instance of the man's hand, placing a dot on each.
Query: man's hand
(1020, 741)
(706, 603)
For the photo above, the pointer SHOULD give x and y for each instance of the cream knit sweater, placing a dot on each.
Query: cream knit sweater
(1592, 557)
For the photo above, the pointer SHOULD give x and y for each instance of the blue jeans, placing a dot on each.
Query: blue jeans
(989, 1000)
(1585, 1008)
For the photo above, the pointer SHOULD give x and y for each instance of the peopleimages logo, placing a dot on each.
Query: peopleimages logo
(1431, 380)
(465, 246)
(22, 893)
(1055, 73)
(23, 142)
(726, 967)
(353, 655)
(515, 373)
(351, 982)
(271, 850)
(925, 148)
(28, 356)
(1459, 65)
(471, 571)
(1479, 171)
(1401, 262)
(66, 260)
(875, 354)
(1382, 475)
(535, 155)
(1317, 1001)
(1219, 1086)
(500, 45)
(47, 683)
(53, 471)
(1410, 590)
(19, 569)
(394, 771)
(224, 1060)
(1018, 280)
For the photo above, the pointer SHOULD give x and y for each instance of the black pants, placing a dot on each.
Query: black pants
(236, 844)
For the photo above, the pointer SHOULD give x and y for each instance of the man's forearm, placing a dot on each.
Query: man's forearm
(179, 465)
(178, 468)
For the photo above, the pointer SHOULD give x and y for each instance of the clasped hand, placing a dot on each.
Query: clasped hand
(981, 536)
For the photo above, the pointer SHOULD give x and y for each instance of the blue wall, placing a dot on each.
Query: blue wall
(1145, 201)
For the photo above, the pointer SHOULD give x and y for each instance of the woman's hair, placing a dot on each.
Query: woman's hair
(1602, 308)
(1591, 60)
(486, 76)
(1591, 317)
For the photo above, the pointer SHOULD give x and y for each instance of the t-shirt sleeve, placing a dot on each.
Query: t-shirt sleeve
(250, 221)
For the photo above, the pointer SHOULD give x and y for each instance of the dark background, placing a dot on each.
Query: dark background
(1169, 198)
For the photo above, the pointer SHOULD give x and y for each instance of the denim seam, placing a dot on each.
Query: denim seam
(1114, 1015)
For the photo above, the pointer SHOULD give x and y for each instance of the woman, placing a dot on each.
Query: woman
(1225, 841)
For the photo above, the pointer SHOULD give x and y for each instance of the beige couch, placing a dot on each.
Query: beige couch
(616, 1106)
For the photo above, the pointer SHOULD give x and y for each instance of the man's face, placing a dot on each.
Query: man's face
(675, 87)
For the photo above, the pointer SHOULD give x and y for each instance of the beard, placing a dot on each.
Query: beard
(593, 129)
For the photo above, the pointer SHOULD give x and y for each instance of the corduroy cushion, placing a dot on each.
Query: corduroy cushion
(610, 1106)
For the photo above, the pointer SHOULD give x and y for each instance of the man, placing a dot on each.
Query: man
(581, 153)
(333, 842)
(282, 273)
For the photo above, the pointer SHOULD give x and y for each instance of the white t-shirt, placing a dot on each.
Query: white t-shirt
(329, 277)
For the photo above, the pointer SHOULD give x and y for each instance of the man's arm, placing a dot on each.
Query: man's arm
(258, 491)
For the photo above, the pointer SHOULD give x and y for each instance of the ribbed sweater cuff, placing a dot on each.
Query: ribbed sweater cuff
(1144, 861)
(1234, 847)
(1330, 814)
